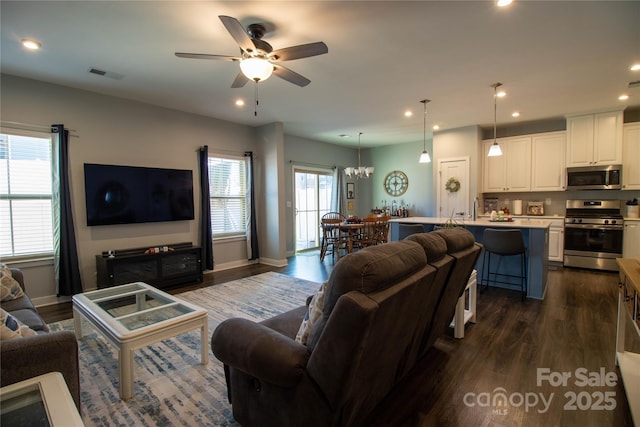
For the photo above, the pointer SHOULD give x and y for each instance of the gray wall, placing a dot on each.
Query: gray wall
(118, 131)
(461, 142)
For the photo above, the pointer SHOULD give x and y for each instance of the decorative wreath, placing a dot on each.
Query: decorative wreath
(452, 185)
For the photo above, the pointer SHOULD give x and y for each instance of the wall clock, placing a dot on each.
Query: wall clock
(396, 183)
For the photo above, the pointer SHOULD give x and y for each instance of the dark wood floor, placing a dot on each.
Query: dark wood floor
(574, 327)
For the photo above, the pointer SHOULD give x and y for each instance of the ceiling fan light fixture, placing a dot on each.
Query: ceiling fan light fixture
(256, 69)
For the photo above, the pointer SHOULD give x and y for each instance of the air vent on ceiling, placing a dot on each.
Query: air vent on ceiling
(109, 74)
(633, 85)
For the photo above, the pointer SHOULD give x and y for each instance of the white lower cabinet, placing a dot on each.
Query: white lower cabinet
(556, 236)
(556, 240)
(631, 238)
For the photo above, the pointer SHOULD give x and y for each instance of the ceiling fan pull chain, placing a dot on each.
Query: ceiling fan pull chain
(255, 109)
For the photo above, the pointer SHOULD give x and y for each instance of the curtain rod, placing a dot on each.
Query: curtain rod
(26, 126)
(311, 164)
(213, 150)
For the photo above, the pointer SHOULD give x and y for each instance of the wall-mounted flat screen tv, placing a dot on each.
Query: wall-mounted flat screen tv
(130, 194)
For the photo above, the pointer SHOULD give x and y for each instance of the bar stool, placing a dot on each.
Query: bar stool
(503, 243)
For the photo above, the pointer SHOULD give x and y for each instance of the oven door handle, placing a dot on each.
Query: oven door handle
(595, 226)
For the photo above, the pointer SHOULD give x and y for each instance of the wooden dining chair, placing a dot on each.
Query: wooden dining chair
(368, 235)
(332, 239)
(382, 229)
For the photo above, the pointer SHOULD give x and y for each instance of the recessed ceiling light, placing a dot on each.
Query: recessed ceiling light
(408, 113)
(515, 114)
(501, 94)
(503, 3)
(436, 127)
(623, 97)
(240, 102)
(344, 135)
(31, 44)
(635, 67)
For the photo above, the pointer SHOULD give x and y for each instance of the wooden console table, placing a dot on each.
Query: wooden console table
(628, 316)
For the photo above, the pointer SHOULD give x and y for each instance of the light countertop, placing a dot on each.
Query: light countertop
(480, 222)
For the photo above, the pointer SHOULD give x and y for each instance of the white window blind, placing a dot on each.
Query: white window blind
(26, 225)
(228, 196)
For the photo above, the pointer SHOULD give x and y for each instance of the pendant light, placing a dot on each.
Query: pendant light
(495, 148)
(424, 157)
(360, 171)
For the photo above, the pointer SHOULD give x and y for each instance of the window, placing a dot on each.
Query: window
(26, 216)
(229, 201)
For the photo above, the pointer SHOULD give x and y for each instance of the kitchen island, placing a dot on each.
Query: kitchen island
(536, 238)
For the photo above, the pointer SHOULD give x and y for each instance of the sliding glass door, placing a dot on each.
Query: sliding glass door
(312, 190)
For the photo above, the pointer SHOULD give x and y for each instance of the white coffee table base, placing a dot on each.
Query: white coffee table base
(127, 342)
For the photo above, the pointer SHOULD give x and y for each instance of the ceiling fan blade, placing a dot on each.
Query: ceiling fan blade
(207, 56)
(290, 76)
(238, 33)
(240, 80)
(300, 51)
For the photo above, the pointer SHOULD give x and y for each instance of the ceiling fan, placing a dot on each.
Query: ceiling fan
(258, 60)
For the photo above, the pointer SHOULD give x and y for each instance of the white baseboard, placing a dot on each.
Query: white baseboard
(229, 265)
(274, 262)
(49, 300)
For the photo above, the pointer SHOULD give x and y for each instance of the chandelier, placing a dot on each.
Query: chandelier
(360, 171)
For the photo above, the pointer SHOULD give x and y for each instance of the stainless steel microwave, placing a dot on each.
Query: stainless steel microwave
(606, 177)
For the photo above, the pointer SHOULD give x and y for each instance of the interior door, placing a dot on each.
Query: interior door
(453, 204)
(312, 192)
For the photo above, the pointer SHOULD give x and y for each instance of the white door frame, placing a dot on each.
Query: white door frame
(464, 187)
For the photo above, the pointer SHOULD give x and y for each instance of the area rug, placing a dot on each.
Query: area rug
(171, 387)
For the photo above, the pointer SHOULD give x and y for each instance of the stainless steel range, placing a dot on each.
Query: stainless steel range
(593, 232)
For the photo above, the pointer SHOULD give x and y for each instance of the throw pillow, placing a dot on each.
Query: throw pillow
(9, 287)
(314, 311)
(10, 327)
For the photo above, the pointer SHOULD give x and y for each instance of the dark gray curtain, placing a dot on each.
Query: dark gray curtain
(65, 252)
(206, 237)
(339, 193)
(252, 229)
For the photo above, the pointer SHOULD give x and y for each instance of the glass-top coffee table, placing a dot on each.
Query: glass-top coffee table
(40, 401)
(135, 315)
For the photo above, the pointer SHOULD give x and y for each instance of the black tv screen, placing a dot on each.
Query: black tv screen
(130, 194)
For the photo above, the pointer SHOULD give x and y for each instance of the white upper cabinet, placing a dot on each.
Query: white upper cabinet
(631, 157)
(511, 171)
(547, 161)
(594, 139)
